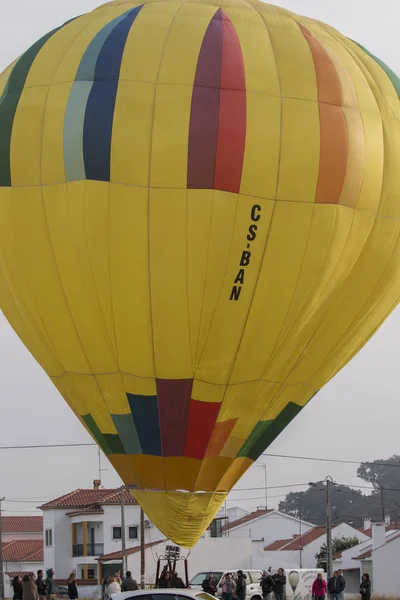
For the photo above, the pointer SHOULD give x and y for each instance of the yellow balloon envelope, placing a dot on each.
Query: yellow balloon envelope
(199, 226)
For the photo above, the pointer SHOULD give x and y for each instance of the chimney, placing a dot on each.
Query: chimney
(96, 484)
(378, 535)
(367, 523)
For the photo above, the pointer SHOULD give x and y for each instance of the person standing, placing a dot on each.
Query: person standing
(279, 584)
(365, 587)
(50, 585)
(241, 585)
(29, 589)
(319, 588)
(209, 585)
(113, 587)
(176, 582)
(267, 585)
(72, 589)
(17, 588)
(333, 587)
(165, 580)
(41, 585)
(228, 587)
(129, 584)
(342, 583)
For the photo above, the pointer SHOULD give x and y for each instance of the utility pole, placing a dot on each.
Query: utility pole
(382, 504)
(123, 543)
(142, 551)
(1, 556)
(328, 528)
(300, 540)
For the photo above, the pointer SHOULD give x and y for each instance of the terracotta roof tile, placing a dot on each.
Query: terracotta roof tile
(82, 498)
(278, 544)
(23, 551)
(91, 509)
(22, 524)
(118, 555)
(247, 518)
(307, 538)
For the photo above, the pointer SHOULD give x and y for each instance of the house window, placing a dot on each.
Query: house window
(117, 533)
(48, 536)
(91, 574)
(133, 532)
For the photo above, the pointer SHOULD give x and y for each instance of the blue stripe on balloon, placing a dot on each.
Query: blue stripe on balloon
(145, 415)
(99, 115)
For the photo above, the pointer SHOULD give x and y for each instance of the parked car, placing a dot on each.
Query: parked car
(253, 588)
(163, 594)
(61, 591)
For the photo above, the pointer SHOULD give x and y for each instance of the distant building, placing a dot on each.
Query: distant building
(301, 549)
(22, 528)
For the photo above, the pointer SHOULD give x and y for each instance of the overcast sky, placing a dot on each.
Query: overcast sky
(354, 417)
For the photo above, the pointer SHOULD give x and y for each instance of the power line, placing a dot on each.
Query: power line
(333, 460)
(34, 446)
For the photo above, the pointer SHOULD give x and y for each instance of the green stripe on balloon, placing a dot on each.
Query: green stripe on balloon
(265, 432)
(391, 74)
(10, 99)
(108, 442)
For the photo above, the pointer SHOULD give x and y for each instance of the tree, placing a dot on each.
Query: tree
(381, 472)
(338, 545)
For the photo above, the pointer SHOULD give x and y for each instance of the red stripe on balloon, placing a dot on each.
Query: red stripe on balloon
(202, 418)
(217, 128)
(203, 128)
(232, 112)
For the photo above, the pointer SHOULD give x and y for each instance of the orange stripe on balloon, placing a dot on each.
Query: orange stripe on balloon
(218, 439)
(333, 130)
(232, 112)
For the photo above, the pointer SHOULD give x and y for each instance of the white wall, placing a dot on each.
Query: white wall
(270, 527)
(283, 558)
(208, 554)
(385, 570)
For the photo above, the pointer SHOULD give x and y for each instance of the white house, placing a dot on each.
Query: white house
(81, 526)
(265, 524)
(300, 550)
(379, 558)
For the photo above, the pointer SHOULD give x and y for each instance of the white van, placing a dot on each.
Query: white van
(253, 589)
(299, 583)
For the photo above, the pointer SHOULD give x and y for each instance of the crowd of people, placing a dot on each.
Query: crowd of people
(273, 586)
(39, 587)
(115, 583)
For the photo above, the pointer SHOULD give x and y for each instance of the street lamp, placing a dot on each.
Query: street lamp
(328, 480)
(264, 466)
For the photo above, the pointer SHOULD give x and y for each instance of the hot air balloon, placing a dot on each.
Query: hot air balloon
(199, 227)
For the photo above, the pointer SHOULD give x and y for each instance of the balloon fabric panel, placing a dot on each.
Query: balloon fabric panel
(199, 227)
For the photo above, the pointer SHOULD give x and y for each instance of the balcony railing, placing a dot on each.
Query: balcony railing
(92, 550)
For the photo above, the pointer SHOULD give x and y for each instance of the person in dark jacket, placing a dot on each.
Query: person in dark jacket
(165, 580)
(267, 585)
(17, 588)
(41, 585)
(279, 584)
(176, 582)
(129, 584)
(336, 585)
(51, 585)
(365, 587)
(241, 585)
(209, 584)
(72, 589)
